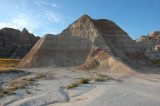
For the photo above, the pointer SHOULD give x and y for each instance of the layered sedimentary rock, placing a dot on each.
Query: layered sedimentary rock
(150, 45)
(14, 43)
(86, 44)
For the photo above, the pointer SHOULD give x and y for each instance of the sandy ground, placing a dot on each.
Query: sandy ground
(130, 89)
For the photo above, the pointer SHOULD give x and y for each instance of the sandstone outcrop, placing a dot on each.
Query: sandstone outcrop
(87, 43)
(14, 43)
(150, 45)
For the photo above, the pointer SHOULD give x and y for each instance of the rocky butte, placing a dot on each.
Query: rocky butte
(86, 44)
(150, 45)
(14, 43)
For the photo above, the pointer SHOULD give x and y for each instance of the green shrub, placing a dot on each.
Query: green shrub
(28, 92)
(41, 75)
(98, 79)
(84, 81)
(109, 78)
(13, 88)
(72, 85)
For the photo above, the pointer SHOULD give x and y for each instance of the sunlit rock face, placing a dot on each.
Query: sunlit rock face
(150, 45)
(14, 43)
(86, 44)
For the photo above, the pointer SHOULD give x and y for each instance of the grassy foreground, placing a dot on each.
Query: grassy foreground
(6, 65)
(156, 61)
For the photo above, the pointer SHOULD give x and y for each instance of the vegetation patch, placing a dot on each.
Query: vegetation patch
(28, 92)
(72, 85)
(82, 81)
(101, 78)
(156, 61)
(9, 62)
(7, 91)
(15, 85)
(9, 70)
(41, 75)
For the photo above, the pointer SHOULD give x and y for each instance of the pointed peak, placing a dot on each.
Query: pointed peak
(153, 33)
(84, 17)
(25, 30)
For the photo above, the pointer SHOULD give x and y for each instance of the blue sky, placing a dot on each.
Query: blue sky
(136, 17)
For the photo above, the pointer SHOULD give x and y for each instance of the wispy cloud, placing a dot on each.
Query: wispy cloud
(20, 22)
(42, 4)
(3, 25)
(53, 17)
(33, 17)
(54, 5)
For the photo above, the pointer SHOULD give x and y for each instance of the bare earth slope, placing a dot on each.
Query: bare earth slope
(150, 45)
(14, 43)
(86, 44)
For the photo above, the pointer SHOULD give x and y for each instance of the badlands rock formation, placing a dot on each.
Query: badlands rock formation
(150, 45)
(14, 43)
(87, 43)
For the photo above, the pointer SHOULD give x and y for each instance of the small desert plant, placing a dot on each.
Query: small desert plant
(28, 73)
(6, 92)
(98, 79)
(41, 75)
(28, 79)
(102, 76)
(84, 81)
(38, 90)
(13, 88)
(72, 85)
(23, 85)
(1, 95)
(33, 84)
(17, 83)
(109, 78)
(11, 93)
(28, 92)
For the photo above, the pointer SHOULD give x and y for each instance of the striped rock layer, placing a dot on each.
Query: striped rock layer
(87, 44)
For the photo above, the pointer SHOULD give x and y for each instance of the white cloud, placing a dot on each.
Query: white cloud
(54, 5)
(20, 22)
(38, 15)
(53, 17)
(9, 25)
(41, 3)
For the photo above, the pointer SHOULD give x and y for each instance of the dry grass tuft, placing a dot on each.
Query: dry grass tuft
(82, 81)
(6, 65)
(156, 61)
(72, 85)
(101, 78)
(28, 92)
(41, 75)
(9, 62)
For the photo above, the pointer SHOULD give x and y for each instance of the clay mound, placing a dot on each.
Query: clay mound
(14, 43)
(150, 45)
(86, 44)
